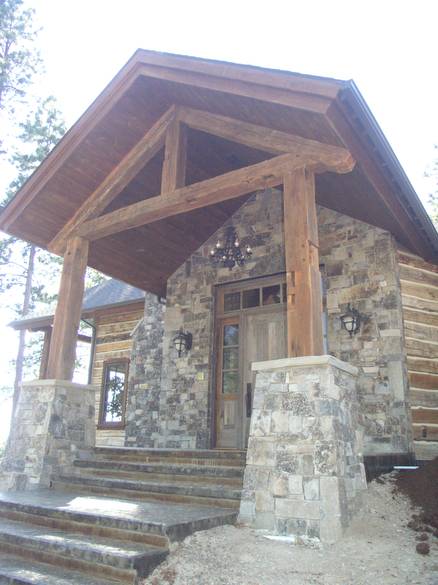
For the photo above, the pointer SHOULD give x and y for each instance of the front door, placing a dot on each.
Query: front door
(251, 327)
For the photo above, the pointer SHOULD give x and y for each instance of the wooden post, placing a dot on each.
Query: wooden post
(304, 297)
(68, 311)
(175, 155)
(45, 353)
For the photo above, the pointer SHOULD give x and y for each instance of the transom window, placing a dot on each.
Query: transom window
(113, 399)
(272, 292)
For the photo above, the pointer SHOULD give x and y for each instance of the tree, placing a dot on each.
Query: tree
(39, 133)
(19, 60)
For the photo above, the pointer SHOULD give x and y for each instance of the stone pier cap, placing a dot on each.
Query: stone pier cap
(304, 473)
(304, 362)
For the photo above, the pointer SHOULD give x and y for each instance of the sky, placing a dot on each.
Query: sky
(388, 47)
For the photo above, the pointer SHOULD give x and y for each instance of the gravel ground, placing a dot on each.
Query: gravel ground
(377, 549)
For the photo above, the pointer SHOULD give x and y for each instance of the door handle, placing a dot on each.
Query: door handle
(248, 399)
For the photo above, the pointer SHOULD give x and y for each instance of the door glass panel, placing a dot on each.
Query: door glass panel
(231, 302)
(230, 383)
(284, 287)
(251, 298)
(231, 335)
(231, 358)
(271, 295)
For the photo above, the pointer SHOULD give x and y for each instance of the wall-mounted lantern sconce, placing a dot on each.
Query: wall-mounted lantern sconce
(351, 321)
(182, 342)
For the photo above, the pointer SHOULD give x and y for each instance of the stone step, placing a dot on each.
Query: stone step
(131, 520)
(199, 474)
(15, 570)
(228, 457)
(214, 495)
(101, 557)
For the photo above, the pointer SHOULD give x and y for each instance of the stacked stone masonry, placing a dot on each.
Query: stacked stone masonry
(53, 425)
(172, 407)
(304, 473)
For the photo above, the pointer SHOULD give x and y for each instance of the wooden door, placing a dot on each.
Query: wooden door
(265, 338)
(251, 326)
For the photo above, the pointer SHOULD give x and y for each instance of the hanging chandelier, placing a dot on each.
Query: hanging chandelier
(230, 254)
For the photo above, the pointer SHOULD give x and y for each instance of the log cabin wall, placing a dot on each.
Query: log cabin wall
(361, 268)
(113, 341)
(419, 285)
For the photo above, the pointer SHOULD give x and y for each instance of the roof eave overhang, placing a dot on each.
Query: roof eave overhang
(351, 98)
(321, 94)
(46, 321)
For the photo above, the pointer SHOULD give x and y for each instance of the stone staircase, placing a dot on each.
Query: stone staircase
(112, 518)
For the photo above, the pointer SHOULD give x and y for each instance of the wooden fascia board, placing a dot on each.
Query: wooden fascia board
(311, 103)
(331, 158)
(227, 186)
(73, 137)
(275, 78)
(139, 155)
(341, 124)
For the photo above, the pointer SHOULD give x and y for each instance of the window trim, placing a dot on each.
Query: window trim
(102, 424)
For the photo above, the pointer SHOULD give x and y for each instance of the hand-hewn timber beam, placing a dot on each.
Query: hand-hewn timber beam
(117, 180)
(303, 279)
(175, 155)
(331, 158)
(227, 186)
(45, 352)
(68, 311)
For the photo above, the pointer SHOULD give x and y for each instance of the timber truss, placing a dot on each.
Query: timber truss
(294, 166)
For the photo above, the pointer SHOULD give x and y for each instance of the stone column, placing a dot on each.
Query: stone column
(53, 425)
(304, 472)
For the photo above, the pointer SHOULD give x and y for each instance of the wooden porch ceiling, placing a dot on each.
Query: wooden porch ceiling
(145, 89)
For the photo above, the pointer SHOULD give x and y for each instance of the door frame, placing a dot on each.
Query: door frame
(221, 318)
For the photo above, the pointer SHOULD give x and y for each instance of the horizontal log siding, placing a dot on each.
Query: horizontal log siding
(419, 284)
(113, 340)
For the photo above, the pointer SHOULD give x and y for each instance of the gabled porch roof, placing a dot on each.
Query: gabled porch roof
(325, 110)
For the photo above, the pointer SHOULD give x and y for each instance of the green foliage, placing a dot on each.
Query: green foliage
(19, 60)
(39, 133)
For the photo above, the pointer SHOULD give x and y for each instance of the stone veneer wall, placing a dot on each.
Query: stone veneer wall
(361, 268)
(185, 405)
(53, 425)
(304, 474)
(144, 386)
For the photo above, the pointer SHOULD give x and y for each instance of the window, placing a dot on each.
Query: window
(252, 295)
(113, 398)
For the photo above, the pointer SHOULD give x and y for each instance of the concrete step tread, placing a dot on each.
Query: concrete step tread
(19, 571)
(183, 488)
(174, 520)
(108, 551)
(219, 471)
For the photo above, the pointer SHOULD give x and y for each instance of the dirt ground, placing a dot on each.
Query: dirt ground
(378, 549)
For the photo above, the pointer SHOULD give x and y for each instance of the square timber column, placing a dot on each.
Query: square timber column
(304, 296)
(68, 311)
